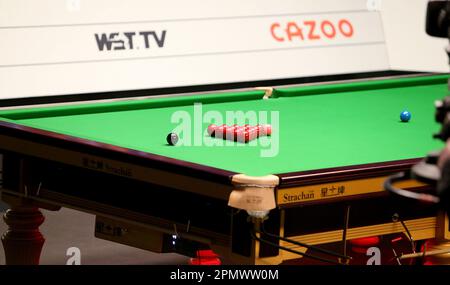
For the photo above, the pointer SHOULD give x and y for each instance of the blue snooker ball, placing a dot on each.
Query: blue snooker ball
(405, 116)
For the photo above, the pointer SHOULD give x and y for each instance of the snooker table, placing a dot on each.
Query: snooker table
(333, 145)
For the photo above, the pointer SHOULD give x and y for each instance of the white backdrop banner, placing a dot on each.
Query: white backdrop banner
(47, 48)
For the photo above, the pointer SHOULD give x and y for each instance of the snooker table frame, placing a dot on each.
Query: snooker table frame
(46, 170)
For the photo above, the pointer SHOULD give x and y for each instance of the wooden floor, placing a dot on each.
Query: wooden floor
(68, 228)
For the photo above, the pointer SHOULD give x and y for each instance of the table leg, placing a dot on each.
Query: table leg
(23, 242)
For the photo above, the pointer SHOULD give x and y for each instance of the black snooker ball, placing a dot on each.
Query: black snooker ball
(172, 138)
